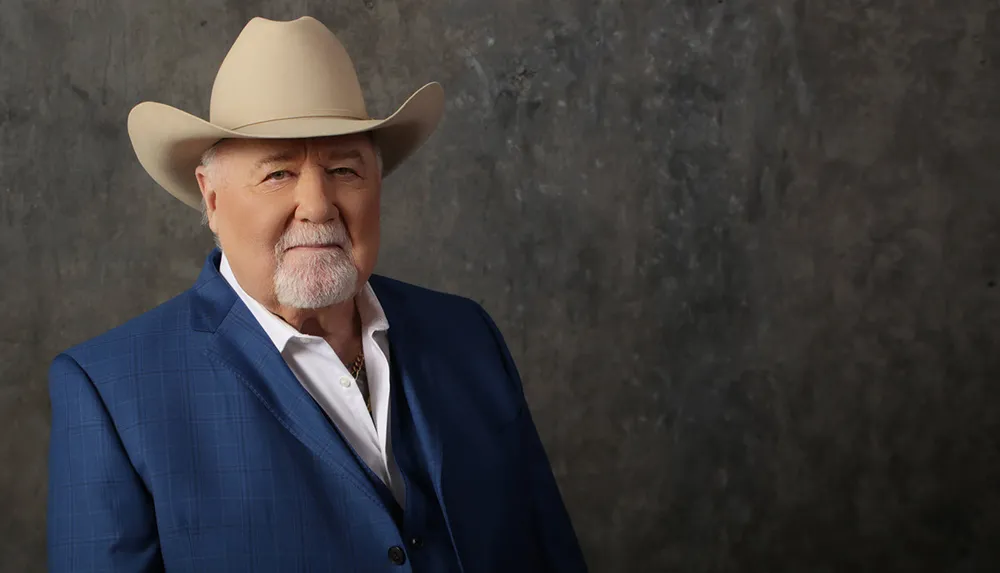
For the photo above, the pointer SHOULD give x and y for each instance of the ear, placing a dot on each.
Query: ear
(208, 195)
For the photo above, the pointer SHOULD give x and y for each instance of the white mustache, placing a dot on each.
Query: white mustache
(314, 235)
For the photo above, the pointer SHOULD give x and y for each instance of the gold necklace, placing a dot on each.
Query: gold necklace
(358, 365)
(357, 368)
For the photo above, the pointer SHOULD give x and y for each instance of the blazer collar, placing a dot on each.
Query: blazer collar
(212, 297)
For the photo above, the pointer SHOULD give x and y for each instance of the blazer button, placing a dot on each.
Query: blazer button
(396, 555)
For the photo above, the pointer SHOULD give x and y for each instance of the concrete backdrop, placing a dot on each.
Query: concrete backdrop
(744, 252)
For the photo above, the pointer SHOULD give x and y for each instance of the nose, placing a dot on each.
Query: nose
(314, 195)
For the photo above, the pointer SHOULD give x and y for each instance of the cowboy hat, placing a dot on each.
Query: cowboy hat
(279, 80)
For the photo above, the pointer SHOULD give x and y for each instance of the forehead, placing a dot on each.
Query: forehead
(255, 148)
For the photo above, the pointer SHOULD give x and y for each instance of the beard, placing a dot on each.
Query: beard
(315, 278)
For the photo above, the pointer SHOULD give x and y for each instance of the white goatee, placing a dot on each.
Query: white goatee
(315, 278)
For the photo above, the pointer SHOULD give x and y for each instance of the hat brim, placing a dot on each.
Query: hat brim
(169, 142)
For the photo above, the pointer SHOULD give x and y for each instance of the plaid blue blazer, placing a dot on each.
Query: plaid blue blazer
(182, 442)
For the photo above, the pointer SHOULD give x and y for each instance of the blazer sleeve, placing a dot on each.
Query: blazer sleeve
(100, 515)
(552, 524)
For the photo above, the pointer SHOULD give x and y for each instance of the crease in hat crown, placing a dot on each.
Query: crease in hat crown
(259, 62)
(279, 79)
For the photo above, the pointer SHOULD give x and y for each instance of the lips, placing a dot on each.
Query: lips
(315, 246)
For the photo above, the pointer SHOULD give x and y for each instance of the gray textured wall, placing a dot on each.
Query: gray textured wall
(745, 252)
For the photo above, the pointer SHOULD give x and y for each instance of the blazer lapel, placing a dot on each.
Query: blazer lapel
(415, 368)
(241, 345)
(413, 380)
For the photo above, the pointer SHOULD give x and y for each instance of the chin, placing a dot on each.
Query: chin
(319, 282)
(316, 300)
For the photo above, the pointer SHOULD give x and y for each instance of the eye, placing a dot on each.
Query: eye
(343, 172)
(279, 175)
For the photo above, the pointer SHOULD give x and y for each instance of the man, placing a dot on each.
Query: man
(292, 411)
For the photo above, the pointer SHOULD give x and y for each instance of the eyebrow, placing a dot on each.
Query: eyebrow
(344, 154)
(283, 156)
(280, 157)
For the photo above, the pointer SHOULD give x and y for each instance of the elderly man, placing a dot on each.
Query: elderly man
(292, 411)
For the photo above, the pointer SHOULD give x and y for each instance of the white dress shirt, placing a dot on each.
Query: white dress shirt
(327, 380)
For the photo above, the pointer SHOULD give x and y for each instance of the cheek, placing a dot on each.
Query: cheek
(373, 219)
(268, 228)
(252, 227)
(365, 225)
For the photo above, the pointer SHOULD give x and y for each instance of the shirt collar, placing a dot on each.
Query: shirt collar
(372, 315)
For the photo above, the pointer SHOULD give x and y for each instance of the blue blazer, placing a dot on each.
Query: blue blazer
(181, 441)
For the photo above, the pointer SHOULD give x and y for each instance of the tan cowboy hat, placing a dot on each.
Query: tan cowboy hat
(279, 80)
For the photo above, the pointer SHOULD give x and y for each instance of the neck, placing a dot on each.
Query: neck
(339, 325)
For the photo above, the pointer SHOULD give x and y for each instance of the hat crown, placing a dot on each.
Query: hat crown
(281, 70)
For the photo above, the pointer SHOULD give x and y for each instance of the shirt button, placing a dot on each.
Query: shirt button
(345, 381)
(416, 543)
(396, 555)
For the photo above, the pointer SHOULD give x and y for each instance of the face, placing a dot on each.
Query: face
(298, 219)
